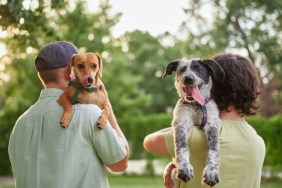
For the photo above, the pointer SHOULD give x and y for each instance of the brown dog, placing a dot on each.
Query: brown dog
(85, 89)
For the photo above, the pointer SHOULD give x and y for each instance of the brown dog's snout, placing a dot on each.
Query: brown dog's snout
(90, 80)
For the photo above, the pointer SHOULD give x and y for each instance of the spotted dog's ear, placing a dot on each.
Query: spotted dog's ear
(172, 66)
(215, 70)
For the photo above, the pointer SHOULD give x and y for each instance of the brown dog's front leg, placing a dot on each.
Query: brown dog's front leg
(104, 117)
(67, 106)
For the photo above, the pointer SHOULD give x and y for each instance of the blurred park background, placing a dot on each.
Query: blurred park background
(134, 62)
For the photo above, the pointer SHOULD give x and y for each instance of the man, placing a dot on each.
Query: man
(43, 154)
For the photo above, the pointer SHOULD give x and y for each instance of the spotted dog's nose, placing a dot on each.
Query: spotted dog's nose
(189, 80)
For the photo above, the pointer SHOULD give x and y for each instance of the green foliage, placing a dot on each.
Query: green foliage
(16, 96)
(29, 24)
(137, 127)
(270, 129)
(148, 59)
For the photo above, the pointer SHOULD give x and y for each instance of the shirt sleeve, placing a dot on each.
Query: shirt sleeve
(109, 146)
(169, 141)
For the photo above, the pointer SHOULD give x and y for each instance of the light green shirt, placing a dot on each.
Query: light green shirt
(45, 155)
(242, 153)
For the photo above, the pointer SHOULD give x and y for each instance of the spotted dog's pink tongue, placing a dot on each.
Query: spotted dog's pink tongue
(196, 94)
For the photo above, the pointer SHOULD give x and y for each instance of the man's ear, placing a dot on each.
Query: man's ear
(172, 66)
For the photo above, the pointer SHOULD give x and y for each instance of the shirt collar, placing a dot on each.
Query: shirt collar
(50, 92)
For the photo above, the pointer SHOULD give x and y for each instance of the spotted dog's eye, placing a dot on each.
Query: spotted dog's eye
(198, 68)
(80, 66)
(182, 69)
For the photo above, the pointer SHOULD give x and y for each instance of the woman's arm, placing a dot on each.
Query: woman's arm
(155, 142)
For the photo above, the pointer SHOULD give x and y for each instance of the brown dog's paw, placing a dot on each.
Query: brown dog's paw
(101, 123)
(65, 122)
(101, 126)
(63, 125)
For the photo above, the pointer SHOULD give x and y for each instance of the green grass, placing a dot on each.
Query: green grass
(135, 182)
(156, 182)
(117, 181)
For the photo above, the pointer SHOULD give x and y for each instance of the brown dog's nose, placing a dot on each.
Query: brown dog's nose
(90, 80)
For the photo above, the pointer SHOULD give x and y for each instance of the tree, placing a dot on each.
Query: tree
(148, 59)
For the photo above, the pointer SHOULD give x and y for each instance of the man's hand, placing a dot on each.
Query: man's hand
(167, 175)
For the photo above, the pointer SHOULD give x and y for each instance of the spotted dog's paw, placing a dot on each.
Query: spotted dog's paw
(211, 175)
(185, 172)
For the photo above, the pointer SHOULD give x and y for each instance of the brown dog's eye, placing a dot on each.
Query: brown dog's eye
(80, 66)
(94, 66)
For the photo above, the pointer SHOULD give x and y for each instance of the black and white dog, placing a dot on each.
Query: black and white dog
(193, 82)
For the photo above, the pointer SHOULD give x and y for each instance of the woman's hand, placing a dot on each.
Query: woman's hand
(167, 175)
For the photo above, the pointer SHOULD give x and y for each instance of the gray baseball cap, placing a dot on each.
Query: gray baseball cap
(54, 55)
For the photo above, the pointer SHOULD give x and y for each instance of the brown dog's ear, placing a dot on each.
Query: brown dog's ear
(100, 65)
(69, 73)
(215, 70)
(172, 66)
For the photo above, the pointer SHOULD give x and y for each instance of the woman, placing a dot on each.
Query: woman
(242, 151)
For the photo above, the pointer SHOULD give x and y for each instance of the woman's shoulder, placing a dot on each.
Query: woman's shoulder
(240, 135)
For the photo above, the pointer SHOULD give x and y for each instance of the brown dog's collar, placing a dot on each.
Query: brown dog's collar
(80, 87)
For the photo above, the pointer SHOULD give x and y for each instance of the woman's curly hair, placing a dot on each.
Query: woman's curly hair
(241, 84)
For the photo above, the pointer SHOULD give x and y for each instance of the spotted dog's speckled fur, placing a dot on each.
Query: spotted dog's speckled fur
(187, 113)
